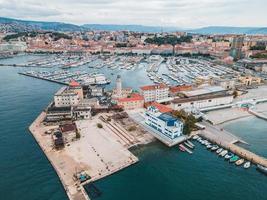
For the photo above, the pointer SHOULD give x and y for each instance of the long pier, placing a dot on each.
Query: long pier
(42, 78)
(257, 114)
(226, 142)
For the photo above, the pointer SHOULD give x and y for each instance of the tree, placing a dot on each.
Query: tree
(235, 93)
(188, 119)
(99, 125)
(78, 135)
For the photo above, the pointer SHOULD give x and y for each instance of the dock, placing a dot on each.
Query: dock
(97, 152)
(42, 78)
(257, 114)
(227, 141)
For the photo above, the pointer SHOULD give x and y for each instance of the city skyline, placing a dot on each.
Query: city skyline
(182, 14)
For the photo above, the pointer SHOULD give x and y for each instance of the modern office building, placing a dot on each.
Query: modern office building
(163, 123)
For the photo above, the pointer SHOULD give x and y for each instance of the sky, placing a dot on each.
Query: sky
(177, 13)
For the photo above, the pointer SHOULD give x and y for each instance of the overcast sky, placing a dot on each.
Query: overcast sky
(179, 13)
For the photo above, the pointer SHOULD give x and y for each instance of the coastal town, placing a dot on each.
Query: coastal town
(196, 83)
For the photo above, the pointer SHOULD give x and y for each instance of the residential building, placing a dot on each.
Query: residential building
(163, 123)
(132, 102)
(158, 93)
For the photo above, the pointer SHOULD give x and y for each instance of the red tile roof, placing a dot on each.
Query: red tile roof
(73, 83)
(154, 87)
(180, 88)
(161, 108)
(133, 97)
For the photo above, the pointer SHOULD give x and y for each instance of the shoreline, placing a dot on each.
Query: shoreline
(73, 188)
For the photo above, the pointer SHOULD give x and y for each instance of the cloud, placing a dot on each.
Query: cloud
(180, 13)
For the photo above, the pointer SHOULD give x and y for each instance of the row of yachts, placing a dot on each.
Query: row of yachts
(227, 155)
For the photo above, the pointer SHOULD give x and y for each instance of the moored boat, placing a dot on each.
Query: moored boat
(240, 162)
(215, 147)
(209, 146)
(223, 153)
(219, 150)
(234, 158)
(195, 137)
(247, 164)
(262, 169)
(228, 156)
(188, 145)
(181, 148)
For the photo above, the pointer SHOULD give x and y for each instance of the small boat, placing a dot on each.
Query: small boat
(195, 137)
(186, 149)
(240, 162)
(181, 148)
(262, 169)
(215, 147)
(229, 155)
(234, 159)
(223, 153)
(219, 150)
(209, 146)
(188, 145)
(247, 165)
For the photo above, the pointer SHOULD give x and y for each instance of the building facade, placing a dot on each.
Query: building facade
(135, 101)
(201, 102)
(163, 123)
(69, 96)
(155, 92)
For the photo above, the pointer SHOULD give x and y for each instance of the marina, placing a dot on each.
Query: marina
(170, 71)
(64, 77)
(231, 152)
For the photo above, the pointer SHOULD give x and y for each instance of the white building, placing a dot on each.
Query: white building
(201, 102)
(155, 93)
(163, 123)
(13, 47)
(69, 96)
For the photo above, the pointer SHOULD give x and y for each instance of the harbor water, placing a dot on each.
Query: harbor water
(162, 173)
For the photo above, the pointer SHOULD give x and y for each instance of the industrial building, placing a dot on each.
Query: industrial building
(202, 98)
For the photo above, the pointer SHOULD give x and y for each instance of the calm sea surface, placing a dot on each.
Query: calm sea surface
(162, 173)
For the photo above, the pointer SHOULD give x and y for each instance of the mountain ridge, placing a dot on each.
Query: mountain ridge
(18, 25)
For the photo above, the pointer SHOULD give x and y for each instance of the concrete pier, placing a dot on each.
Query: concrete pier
(227, 141)
(97, 152)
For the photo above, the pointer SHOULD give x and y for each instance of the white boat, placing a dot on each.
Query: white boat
(190, 143)
(219, 150)
(228, 156)
(186, 149)
(209, 146)
(223, 153)
(240, 162)
(247, 164)
(215, 147)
